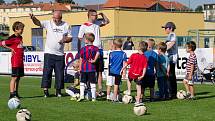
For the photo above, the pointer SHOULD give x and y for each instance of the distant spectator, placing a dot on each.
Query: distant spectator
(128, 44)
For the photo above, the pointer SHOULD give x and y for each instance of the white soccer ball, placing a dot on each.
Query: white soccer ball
(127, 99)
(23, 115)
(181, 94)
(140, 110)
(14, 103)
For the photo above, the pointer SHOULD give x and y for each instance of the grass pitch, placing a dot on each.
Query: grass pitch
(62, 109)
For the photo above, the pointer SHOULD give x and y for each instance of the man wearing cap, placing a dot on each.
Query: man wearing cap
(172, 51)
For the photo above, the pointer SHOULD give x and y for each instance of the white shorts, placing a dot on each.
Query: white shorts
(110, 80)
(190, 82)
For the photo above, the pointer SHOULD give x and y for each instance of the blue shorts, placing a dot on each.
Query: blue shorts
(88, 77)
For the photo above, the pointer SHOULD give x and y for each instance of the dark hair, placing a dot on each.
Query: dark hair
(162, 46)
(90, 11)
(118, 42)
(90, 37)
(128, 38)
(191, 45)
(17, 25)
(143, 46)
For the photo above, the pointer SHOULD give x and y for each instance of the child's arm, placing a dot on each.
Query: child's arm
(191, 72)
(124, 71)
(123, 68)
(168, 69)
(95, 59)
(80, 62)
(144, 72)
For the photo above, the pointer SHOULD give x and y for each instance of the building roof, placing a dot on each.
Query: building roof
(95, 7)
(129, 3)
(143, 4)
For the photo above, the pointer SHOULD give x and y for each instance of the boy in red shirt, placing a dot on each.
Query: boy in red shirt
(14, 43)
(138, 65)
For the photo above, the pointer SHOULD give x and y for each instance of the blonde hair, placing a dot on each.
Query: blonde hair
(118, 42)
(90, 37)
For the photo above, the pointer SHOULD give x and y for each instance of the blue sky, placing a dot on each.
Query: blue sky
(193, 3)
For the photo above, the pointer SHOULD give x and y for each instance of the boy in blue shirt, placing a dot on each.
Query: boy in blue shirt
(117, 60)
(162, 68)
(149, 78)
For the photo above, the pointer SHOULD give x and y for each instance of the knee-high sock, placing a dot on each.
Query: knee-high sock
(82, 88)
(93, 90)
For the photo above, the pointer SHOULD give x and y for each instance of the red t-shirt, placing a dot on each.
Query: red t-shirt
(137, 63)
(15, 42)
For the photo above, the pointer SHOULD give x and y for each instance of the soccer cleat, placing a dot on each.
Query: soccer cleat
(58, 95)
(126, 92)
(73, 98)
(80, 99)
(46, 93)
(93, 100)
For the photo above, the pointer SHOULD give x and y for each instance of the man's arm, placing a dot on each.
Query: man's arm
(35, 20)
(170, 44)
(106, 20)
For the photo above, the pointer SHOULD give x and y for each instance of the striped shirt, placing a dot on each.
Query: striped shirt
(88, 53)
(192, 60)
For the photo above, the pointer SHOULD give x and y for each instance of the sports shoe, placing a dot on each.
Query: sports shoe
(93, 100)
(80, 99)
(58, 95)
(46, 93)
(126, 92)
(73, 98)
(100, 93)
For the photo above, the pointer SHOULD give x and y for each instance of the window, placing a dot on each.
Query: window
(206, 43)
(37, 38)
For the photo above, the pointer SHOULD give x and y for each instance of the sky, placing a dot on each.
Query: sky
(193, 3)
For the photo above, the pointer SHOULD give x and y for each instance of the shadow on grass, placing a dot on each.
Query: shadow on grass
(204, 97)
(202, 93)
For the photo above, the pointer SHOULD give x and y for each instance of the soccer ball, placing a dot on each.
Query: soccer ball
(127, 99)
(13, 103)
(140, 110)
(181, 94)
(23, 115)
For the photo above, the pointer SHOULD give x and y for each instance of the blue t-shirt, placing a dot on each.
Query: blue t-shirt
(152, 57)
(163, 62)
(116, 59)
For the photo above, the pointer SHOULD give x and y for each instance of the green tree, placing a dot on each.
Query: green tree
(65, 1)
(24, 1)
(199, 8)
(2, 2)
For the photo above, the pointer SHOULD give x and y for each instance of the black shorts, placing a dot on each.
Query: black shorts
(88, 77)
(138, 82)
(100, 62)
(148, 81)
(118, 79)
(17, 72)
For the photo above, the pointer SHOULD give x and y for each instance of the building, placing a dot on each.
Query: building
(11, 10)
(123, 22)
(209, 12)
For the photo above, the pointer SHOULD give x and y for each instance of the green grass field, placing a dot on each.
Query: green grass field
(62, 109)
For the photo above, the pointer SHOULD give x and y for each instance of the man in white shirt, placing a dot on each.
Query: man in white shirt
(58, 33)
(93, 26)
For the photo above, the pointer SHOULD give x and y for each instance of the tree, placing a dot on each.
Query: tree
(14, 2)
(2, 2)
(24, 1)
(199, 9)
(65, 1)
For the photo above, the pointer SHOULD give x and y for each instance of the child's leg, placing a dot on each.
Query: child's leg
(152, 93)
(191, 89)
(138, 87)
(185, 81)
(115, 92)
(82, 88)
(129, 86)
(93, 90)
(108, 91)
(17, 86)
(12, 86)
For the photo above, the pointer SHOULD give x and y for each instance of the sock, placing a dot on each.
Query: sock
(82, 88)
(93, 90)
(108, 97)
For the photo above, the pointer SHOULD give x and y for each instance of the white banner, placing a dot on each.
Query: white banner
(33, 61)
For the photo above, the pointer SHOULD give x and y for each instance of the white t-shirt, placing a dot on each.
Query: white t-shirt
(94, 28)
(55, 33)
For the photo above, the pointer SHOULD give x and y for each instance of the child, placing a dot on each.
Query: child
(88, 56)
(162, 68)
(138, 66)
(172, 50)
(149, 79)
(117, 59)
(14, 43)
(191, 69)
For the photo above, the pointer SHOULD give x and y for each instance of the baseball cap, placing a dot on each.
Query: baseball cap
(169, 25)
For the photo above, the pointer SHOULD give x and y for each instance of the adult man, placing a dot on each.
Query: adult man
(93, 26)
(58, 33)
(128, 44)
